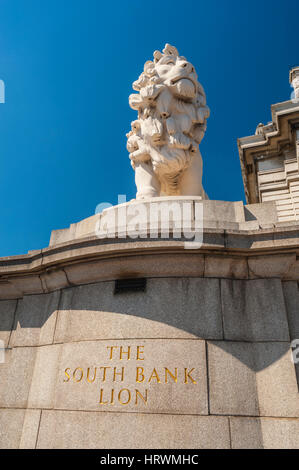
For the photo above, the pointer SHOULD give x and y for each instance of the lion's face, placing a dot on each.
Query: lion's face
(178, 74)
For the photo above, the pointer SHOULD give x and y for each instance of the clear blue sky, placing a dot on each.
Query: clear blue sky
(68, 66)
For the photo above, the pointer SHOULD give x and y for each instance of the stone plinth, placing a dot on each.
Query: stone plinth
(199, 357)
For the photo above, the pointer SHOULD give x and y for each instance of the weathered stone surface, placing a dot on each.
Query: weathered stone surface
(246, 433)
(280, 433)
(192, 265)
(71, 429)
(217, 214)
(223, 211)
(158, 215)
(277, 386)
(76, 388)
(293, 273)
(54, 279)
(214, 224)
(264, 433)
(28, 377)
(15, 377)
(28, 284)
(250, 225)
(252, 379)
(112, 258)
(270, 266)
(226, 267)
(7, 311)
(11, 423)
(62, 235)
(249, 240)
(86, 227)
(213, 239)
(9, 291)
(232, 382)
(264, 213)
(170, 308)
(19, 428)
(286, 236)
(30, 429)
(291, 295)
(35, 320)
(44, 377)
(254, 310)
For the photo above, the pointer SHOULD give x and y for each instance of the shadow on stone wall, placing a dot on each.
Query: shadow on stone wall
(247, 319)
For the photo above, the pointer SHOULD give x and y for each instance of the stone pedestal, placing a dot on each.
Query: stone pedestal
(194, 355)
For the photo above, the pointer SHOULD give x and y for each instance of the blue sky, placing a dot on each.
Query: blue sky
(68, 66)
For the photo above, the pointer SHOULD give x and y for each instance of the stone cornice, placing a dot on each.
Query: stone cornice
(268, 139)
(91, 260)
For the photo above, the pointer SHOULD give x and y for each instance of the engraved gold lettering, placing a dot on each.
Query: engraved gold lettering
(81, 374)
(111, 351)
(94, 375)
(138, 394)
(174, 377)
(122, 352)
(155, 376)
(101, 398)
(102, 402)
(120, 394)
(112, 397)
(139, 375)
(139, 352)
(67, 374)
(188, 375)
(119, 373)
(104, 373)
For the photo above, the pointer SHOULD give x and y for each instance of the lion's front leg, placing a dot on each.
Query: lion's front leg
(146, 181)
(191, 181)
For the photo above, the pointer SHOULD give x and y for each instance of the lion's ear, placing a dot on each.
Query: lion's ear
(157, 56)
(170, 50)
(149, 68)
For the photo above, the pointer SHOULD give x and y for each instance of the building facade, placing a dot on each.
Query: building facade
(269, 159)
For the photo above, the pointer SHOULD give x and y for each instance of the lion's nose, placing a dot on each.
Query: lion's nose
(187, 66)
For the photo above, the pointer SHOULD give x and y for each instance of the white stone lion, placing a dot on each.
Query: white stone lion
(172, 120)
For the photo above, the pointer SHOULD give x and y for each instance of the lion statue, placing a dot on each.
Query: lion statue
(172, 120)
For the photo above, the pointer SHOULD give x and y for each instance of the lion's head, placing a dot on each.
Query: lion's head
(172, 116)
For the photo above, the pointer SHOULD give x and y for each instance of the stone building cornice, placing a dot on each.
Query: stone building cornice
(244, 254)
(269, 139)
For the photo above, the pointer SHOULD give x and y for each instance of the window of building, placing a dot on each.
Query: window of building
(272, 163)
